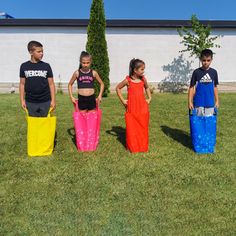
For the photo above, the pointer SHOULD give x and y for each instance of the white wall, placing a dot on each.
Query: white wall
(62, 47)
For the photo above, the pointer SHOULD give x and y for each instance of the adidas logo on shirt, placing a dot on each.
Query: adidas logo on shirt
(206, 79)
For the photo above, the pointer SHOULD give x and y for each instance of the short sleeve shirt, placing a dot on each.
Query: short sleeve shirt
(204, 81)
(204, 76)
(36, 81)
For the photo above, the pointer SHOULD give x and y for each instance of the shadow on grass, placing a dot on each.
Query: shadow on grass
(178, 135)
(119, 132)
(71, 132)
(55, 140)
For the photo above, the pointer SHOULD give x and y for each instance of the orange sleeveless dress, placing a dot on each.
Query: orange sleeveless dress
(136, 118)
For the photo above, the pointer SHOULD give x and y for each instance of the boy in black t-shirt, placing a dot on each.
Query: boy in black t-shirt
(37, 88)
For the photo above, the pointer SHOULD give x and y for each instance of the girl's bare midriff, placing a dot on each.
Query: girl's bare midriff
(86, 91)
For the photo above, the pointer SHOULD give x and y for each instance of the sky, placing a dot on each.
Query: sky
(122, 9)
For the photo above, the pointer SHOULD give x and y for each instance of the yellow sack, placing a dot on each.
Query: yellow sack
(40, 134)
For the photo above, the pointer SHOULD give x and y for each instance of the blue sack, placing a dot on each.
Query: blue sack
(203, 132)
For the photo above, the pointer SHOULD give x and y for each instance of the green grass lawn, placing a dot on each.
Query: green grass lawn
(168, 191)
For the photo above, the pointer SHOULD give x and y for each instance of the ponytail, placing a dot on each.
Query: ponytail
(131, 67)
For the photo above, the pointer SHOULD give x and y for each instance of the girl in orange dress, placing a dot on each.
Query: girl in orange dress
(137, 113)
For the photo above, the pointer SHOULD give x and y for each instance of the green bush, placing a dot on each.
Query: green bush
(97, 45)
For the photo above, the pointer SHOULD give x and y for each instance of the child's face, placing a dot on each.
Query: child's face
(206, 61)
(140, 71)
(37, 53)
(85, 62)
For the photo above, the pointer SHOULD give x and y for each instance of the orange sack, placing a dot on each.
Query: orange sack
(136, 118)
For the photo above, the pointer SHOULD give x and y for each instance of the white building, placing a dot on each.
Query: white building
(155, 41)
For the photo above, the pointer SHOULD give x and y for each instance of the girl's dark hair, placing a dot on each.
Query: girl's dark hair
(135, 64)
(82, 55)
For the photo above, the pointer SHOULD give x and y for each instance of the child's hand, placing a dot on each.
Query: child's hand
(125, 102)
(99, 99)
(190, 106)
(53, 105)
(73, 100)
(148, 100)
(217, 105)
(23, 105)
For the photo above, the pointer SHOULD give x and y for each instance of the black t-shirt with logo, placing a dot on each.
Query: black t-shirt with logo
(204, 76)
(36, 81)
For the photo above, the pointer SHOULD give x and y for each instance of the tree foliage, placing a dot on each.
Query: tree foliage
(197, 38)
(97, 45)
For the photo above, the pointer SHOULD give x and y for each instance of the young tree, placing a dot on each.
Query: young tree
(97, 45)
(197, 38)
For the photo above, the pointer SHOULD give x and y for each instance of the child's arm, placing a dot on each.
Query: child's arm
(52, 92)
(121, 85)
(22, 93)
(148, 92)
(216, 97)
(191, 90)
(97, 77)
(216, 91)
(71, 82)
(190, 98)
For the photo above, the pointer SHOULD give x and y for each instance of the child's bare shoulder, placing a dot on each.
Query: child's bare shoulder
(94, 72)
(76, 73)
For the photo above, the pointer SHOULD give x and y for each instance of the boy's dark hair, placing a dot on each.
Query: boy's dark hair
(206, 53)
(82, 55)
(33, 44)
(135, 64)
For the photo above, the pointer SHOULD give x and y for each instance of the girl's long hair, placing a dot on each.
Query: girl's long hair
(135, 64)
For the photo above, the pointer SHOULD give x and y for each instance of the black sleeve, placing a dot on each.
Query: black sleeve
(22, 73)
(50, 74)
(216, 82)
(193, 79)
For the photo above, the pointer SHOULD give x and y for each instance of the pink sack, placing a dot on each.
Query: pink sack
(87, 128)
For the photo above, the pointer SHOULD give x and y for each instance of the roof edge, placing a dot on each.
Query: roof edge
(122, 23)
